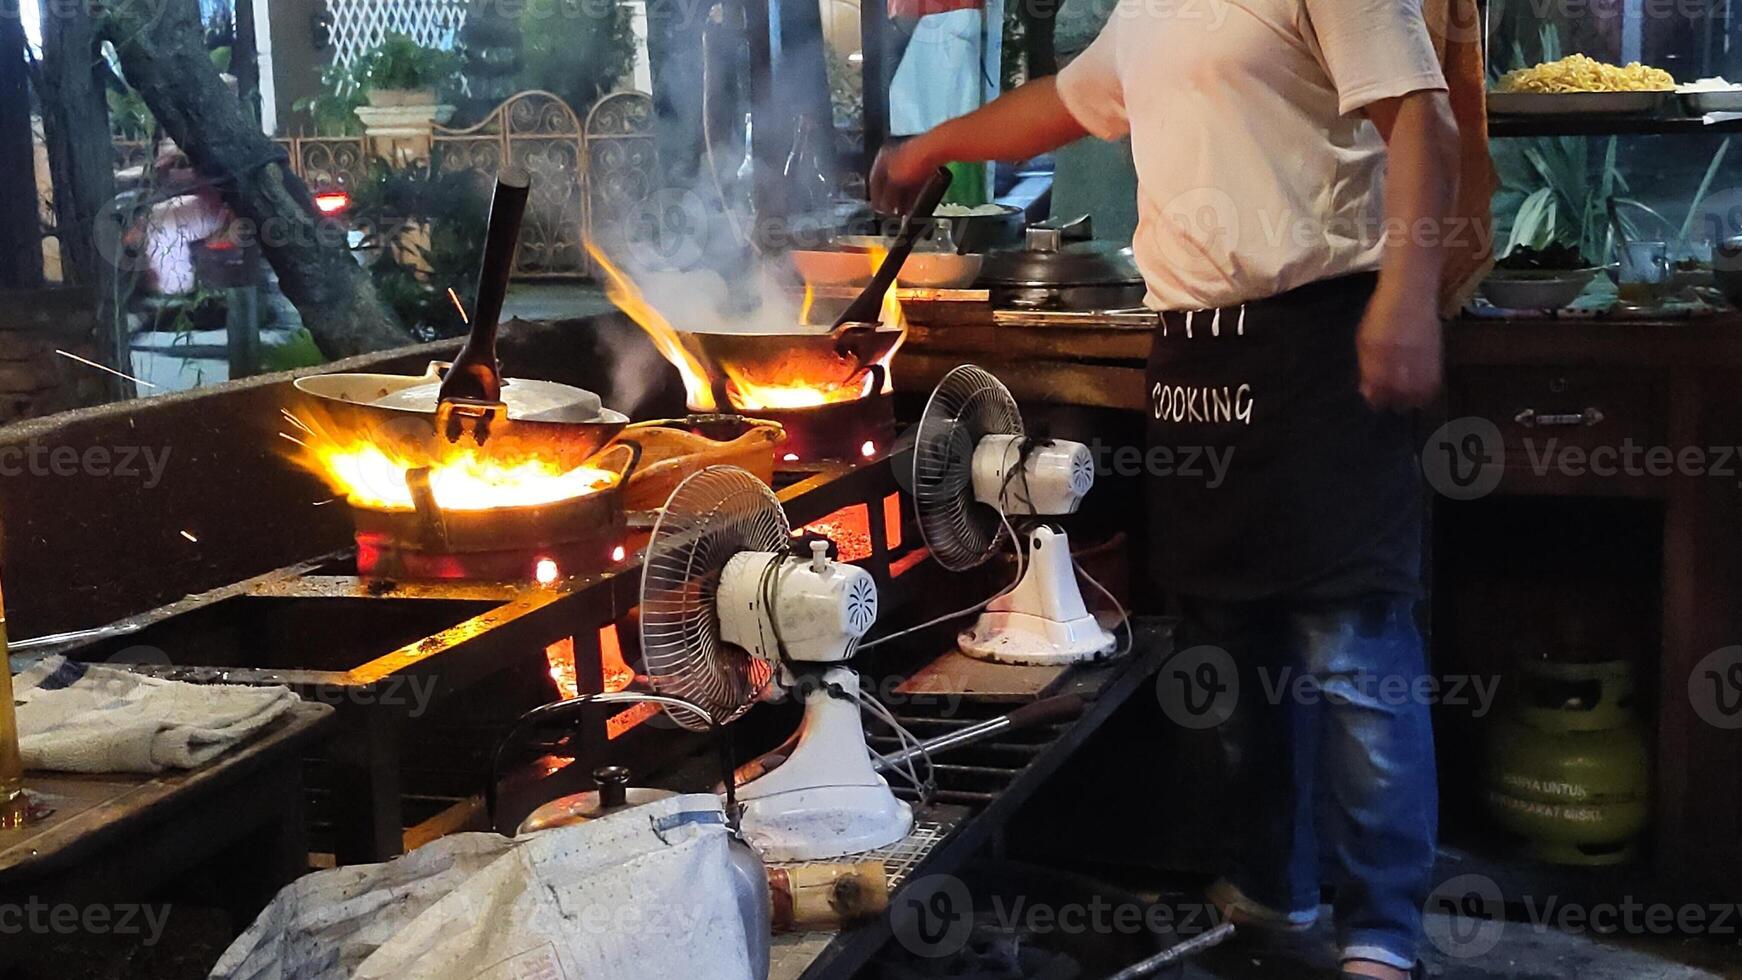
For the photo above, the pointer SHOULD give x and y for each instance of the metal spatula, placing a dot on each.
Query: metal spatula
(471, 393)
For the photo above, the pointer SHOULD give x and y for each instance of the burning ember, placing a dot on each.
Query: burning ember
(798, 380)
(463, 479)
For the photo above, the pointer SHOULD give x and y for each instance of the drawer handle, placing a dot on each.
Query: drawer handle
(1530, 418)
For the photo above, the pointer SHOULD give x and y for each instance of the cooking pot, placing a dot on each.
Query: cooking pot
(1063, 267)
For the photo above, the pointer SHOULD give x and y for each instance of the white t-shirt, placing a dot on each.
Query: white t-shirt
(1256, 171)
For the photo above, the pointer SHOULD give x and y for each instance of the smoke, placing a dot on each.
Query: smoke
(762, 300)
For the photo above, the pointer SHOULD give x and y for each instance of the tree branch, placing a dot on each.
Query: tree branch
(162, 51)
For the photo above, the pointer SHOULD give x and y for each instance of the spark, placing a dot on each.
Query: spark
(455, 297)
(90, 363)
(190, 536)
(287, 436)
(293, 420)
(619, 553)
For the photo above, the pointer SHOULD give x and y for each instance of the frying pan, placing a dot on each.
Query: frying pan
(470, 399)
(851, 349)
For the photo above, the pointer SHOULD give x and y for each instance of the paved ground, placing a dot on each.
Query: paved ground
(555, 301)
(1519, 951)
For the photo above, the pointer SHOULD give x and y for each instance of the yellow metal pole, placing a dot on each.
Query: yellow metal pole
(14, 804)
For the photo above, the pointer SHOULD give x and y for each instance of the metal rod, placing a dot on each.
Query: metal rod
(910, 721)
(957, 796)
(999, 771)
(1038, 714)
(62, 639)
(1008, 748)
(1173, 954)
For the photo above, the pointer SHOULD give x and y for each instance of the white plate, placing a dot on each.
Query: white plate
(1575, 103)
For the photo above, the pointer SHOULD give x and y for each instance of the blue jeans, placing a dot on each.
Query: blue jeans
(1331, 762)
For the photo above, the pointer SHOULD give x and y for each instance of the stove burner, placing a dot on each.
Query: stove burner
(840, 431)
(541, 544)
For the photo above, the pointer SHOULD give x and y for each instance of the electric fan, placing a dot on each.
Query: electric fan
(727, 614)
(974, 468)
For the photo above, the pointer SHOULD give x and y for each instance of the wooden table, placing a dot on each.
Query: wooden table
(1652, 381)
(117, 839)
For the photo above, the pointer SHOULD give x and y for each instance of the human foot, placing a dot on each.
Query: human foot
(1239, 908)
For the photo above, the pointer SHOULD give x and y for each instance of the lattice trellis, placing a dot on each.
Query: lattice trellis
(593, 181)
(359, 25)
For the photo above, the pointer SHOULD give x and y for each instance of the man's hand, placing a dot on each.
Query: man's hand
(901, 169)
(1399, 350)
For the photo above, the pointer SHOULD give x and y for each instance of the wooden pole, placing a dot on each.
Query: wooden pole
(875, 71)
(245, 59)
(20, 229)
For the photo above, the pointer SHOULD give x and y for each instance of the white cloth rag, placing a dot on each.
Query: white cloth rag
(77, 717)
(643, 894)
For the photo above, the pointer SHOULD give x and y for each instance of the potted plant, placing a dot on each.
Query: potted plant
(401, 72)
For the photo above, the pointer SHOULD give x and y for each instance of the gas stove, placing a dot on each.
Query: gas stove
(395, 655)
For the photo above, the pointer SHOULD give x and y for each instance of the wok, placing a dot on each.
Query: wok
(845, 355)
(350, 400)
(414, 415)
(837, 359)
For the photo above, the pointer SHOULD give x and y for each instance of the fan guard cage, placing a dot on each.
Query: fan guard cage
(713, 515)
(968, 405)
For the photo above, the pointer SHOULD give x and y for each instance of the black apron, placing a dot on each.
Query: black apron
(1300, 488)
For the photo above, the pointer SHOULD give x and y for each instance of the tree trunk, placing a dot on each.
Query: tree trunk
(163, 55)
(20, 228)
(81, 163)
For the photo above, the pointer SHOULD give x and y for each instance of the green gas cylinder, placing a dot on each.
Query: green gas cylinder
(1567, 770)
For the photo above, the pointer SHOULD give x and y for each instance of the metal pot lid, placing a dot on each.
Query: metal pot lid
(1054, 256)
(614, 795)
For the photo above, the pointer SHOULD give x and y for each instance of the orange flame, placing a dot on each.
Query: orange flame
(462, 479)
(810, 302)
(893, 317)
(746, 392)
(798, 393)
(620, 291)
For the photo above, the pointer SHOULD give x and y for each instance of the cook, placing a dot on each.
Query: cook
(1283, 260)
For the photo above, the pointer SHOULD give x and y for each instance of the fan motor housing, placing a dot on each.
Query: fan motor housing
(822, 607)
(1052, 480)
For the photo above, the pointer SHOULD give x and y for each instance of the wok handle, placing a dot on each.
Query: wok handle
(635, 450)
(475, 375)
(868, 308)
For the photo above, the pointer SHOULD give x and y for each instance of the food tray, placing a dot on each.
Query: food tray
(1714, 100)
(1576, 103)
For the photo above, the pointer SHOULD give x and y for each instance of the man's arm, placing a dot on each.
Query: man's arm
(1399, 342)
(1023, 123)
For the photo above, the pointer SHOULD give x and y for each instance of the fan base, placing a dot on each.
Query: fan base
(825, 822)
(825, 801)
(1028, 640)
